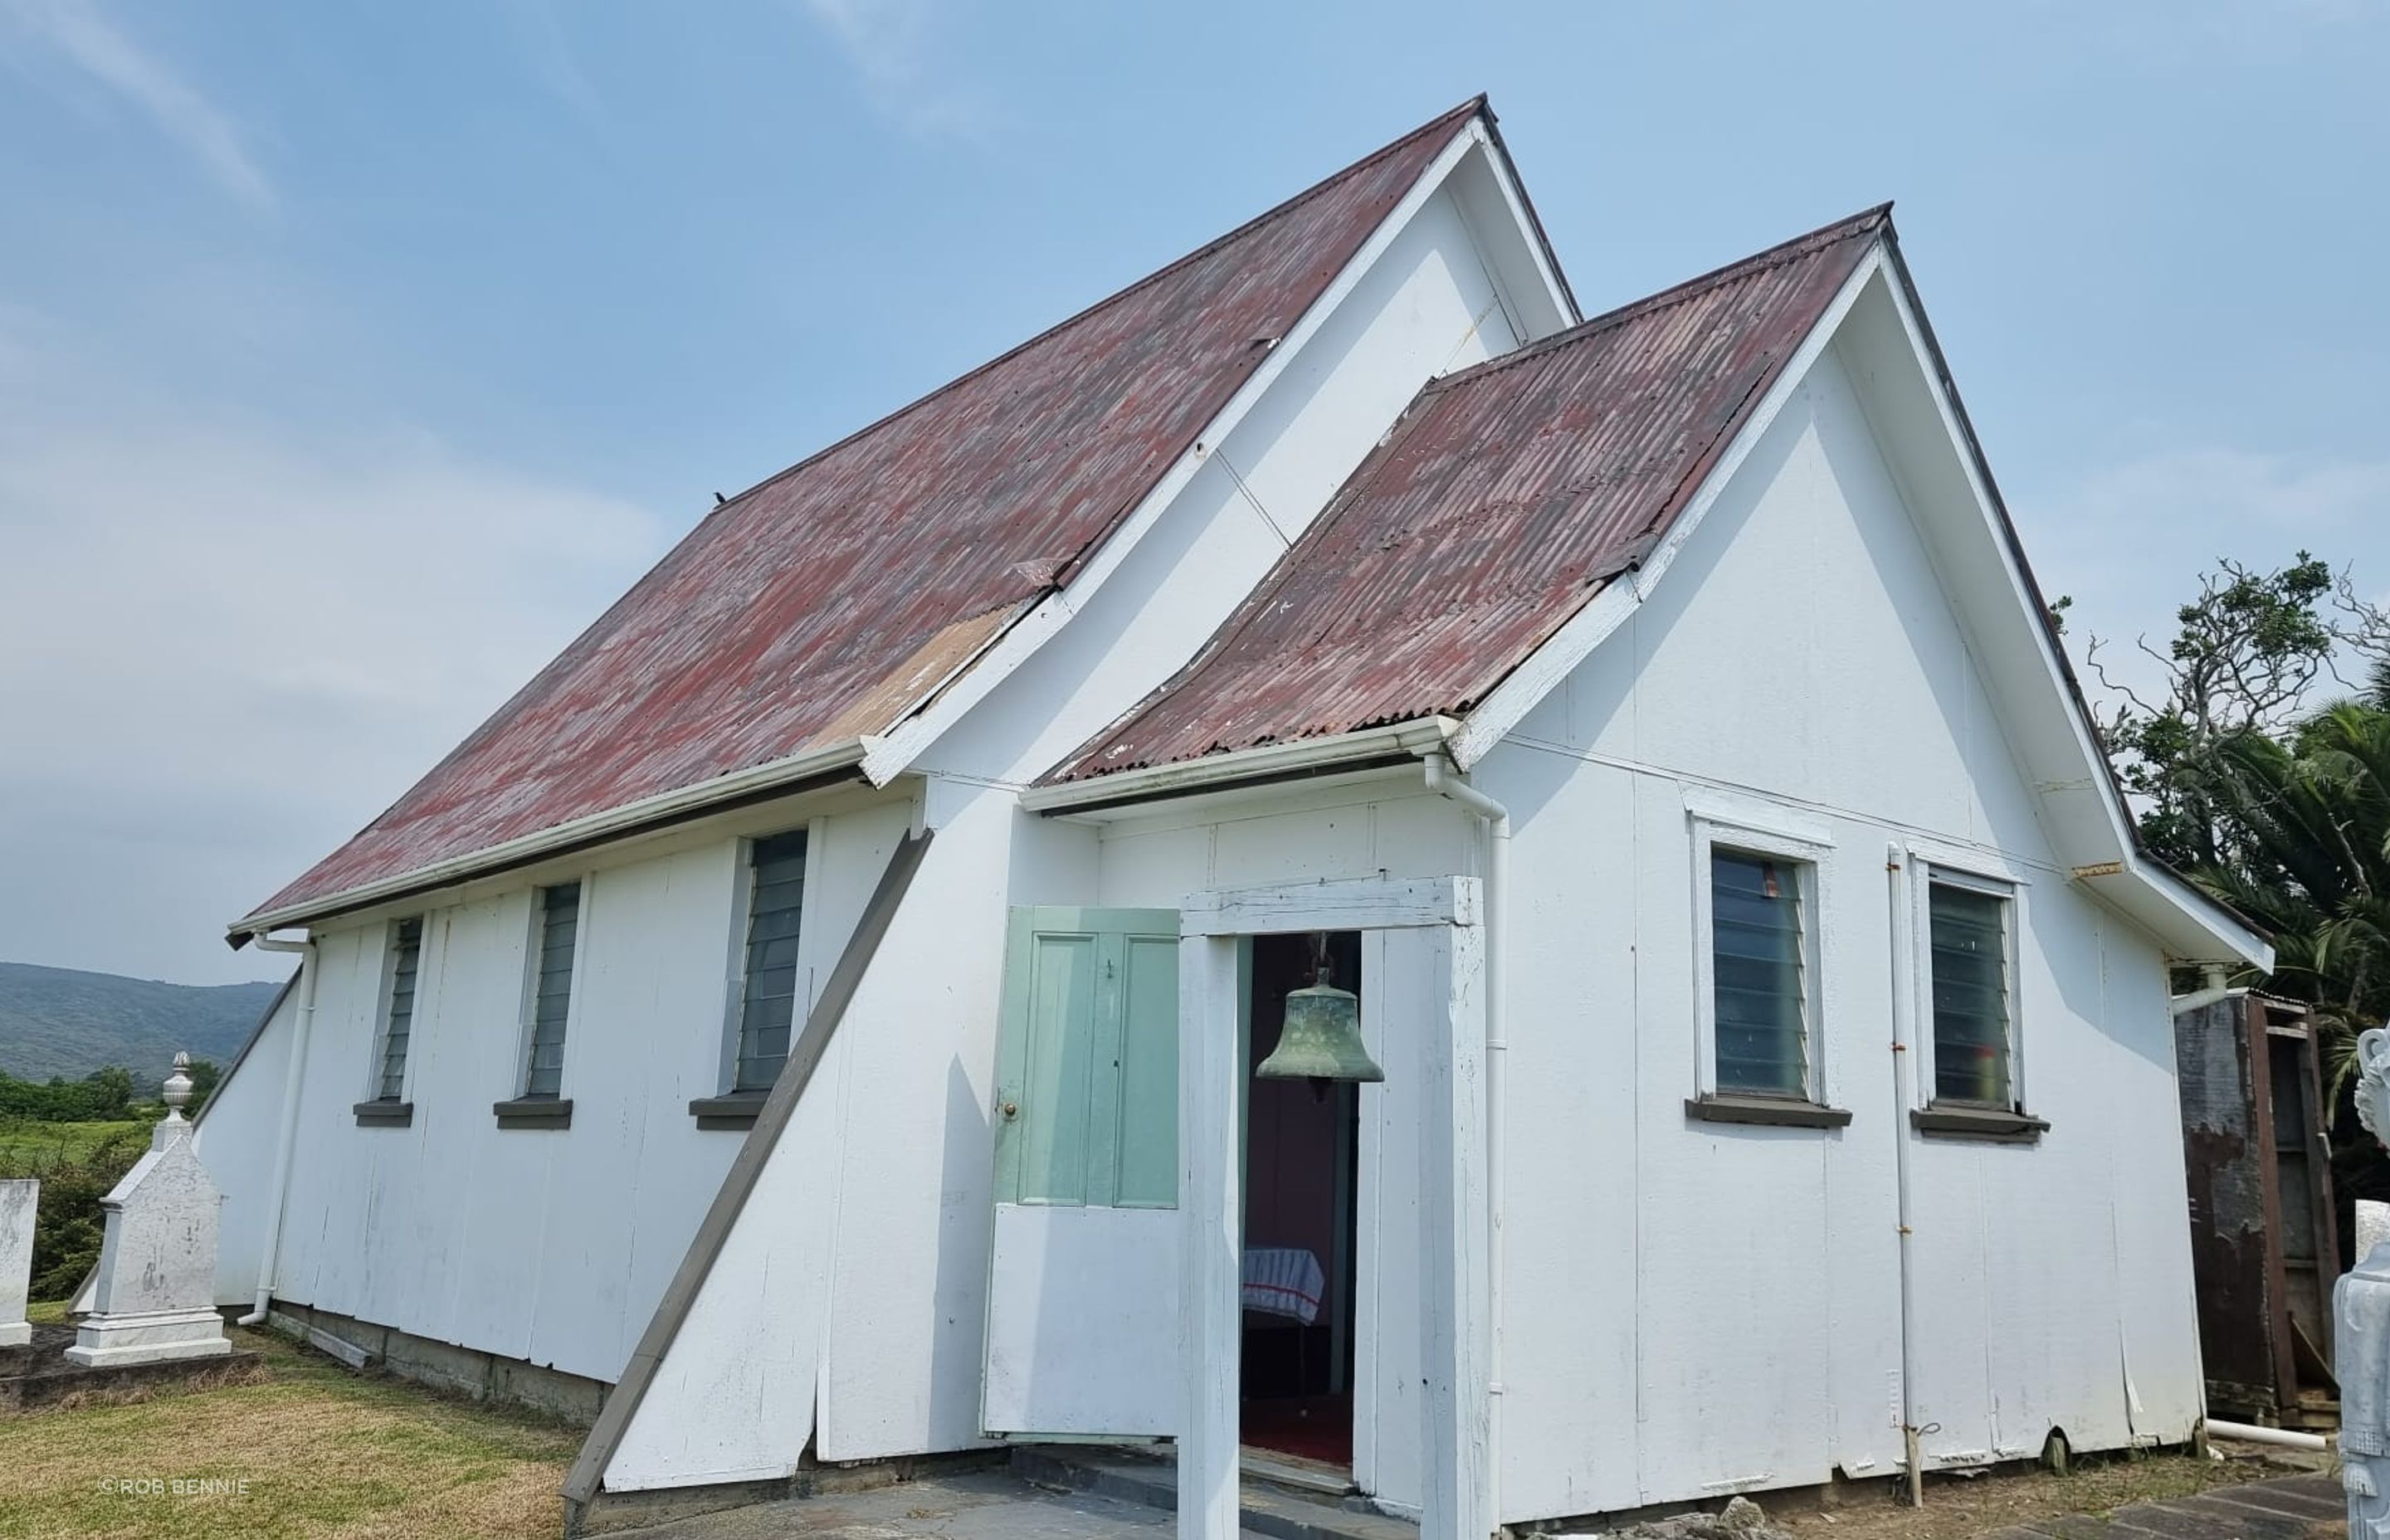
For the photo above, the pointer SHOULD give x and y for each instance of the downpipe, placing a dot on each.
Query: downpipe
(2213, 976)
(1904, 1007)
(287, 1144)
(2284, 1438)
(1445, 780)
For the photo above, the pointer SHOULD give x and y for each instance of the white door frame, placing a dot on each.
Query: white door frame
(1444, 918)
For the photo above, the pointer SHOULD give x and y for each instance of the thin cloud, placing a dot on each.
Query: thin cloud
(86, 38)
(893, 45)
(226, 642)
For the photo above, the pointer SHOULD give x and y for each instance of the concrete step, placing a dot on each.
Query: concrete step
(1266, 1506)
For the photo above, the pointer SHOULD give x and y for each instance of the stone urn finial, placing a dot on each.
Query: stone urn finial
(178, 1087)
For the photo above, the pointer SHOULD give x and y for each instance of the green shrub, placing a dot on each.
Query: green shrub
(76, 1165)
(105, 1093)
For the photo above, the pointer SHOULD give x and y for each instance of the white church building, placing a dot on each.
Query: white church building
(815, 1020)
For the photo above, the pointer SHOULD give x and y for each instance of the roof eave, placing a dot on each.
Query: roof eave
(1303, 757)
(2189, 922)
(838, 760)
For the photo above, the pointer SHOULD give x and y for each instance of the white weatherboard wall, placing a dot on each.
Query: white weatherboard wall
(546, 1245)
(236, 1138)
(1694, 1308)
(846, 1305)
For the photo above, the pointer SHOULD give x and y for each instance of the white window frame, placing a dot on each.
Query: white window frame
(734, 978)
(417, 1014)
(2009, 886)
(1809, 856)
(527, 1014)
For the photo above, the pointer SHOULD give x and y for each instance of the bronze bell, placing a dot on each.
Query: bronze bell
(1321, 1039)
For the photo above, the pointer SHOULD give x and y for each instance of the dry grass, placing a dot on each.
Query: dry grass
(312, 1450)
(1959, 1506)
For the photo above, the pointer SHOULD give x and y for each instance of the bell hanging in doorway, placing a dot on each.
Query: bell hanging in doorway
(1321, 1037)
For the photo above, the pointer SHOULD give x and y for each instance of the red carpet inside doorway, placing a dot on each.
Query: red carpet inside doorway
(1311, 1426)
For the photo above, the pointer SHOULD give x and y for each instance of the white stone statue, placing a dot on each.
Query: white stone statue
(156, 1295)
(2360, 1307)
(16, 1201)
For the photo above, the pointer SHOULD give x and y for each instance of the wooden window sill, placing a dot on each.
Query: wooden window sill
(384, 1114)
(1994, 1124)
(1778, 1112)
(730, 1110)
(534, 1112)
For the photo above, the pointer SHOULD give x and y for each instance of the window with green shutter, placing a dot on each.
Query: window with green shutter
(398, 1009)
(1968, 967)
(768, 1007)
(1758, 975)
(556, 935)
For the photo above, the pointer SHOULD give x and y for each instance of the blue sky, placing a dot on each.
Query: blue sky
(353, 358)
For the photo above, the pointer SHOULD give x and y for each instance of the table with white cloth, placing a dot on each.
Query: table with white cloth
(1284, 1280)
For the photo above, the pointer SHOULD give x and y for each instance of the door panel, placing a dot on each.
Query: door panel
(1083, 1288)
(1083, 1322)
(1148, 1097)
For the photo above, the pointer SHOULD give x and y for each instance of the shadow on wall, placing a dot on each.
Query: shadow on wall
(957, 1335)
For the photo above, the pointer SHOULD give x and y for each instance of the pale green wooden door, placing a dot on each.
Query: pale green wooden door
(1083, 1286)
(1088, 1075)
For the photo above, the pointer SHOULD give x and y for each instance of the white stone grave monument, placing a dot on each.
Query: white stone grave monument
(156, 1297)
(17, 1200)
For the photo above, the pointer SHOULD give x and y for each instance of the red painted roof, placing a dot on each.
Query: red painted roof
(830, 601)
(1505, 499)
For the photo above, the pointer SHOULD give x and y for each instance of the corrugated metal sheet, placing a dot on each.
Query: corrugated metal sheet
(1507, 498)
(822, 604)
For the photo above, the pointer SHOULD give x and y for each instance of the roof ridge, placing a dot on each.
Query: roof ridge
(1867, 221)
(1473, 107)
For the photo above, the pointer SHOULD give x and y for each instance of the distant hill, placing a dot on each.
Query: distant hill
(59, 1021)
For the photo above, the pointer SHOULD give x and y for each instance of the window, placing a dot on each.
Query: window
(398, 1010)
(768, 1006)
(1967, 963)
(1758, 975)
(1759, 880)
(558, 929)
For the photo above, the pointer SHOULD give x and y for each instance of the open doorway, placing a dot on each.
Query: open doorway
(1300, 1184)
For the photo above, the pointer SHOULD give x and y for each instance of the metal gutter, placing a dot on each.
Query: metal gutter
(839, 763)
(582, 1482)
(1356, 750)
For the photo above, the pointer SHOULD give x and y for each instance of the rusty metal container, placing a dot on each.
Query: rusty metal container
(2265, 1244)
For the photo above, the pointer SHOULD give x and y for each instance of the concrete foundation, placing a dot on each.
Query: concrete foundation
(443, 1366)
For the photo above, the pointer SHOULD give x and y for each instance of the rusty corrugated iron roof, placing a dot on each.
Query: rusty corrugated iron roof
(827, 602)
(1505, 499)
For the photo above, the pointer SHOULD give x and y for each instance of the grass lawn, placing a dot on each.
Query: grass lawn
(29, 1148)
(322, 1452)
